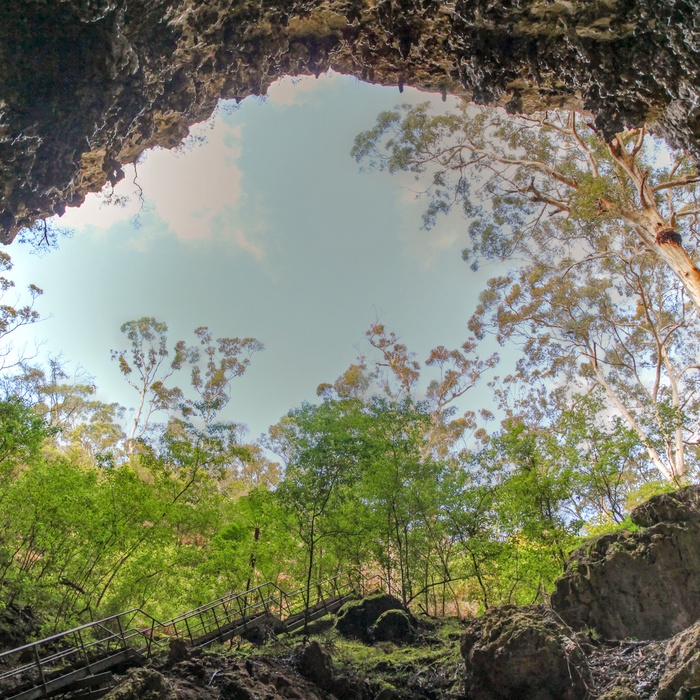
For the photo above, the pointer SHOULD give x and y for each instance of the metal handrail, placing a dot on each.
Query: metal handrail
(200, 622)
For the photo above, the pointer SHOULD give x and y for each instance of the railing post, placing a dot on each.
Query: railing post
(149, 641)
(188, 630)
(242, 611)
(121, 631)
(38, 665)
(84, 650)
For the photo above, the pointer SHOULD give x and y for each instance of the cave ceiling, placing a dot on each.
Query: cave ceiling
(87, 85)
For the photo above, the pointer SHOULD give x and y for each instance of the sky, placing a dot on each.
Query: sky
(262, 225)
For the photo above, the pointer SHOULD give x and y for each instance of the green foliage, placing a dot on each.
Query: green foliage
(22, 433)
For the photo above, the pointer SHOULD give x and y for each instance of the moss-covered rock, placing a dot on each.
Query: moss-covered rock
(393, 626)
(142, 684)
(523, 653)
(643, 584)
(356, 617)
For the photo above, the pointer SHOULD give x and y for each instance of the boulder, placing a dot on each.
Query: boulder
(141, 684)
(393, 626)
(642, 584)
(316, 664)
(356, 617)
(681, 677)
(523, 653)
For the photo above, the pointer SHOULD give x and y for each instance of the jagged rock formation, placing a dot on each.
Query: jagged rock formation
(643, 584)
(631, 587)
(87, 85)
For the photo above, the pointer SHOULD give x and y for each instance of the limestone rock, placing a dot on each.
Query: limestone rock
(356, 617)
(681, 677)
(86, 87)
(141, 684)
(643, 584)
(522, 653)
(316, 664)
(681, 507)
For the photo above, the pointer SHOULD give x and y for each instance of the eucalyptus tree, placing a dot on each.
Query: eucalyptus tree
(215, 363)
(533, 182)
(608, 290)
(193, 412)
(14, 314)
(147, 365)
(395, 373)
(613, 316)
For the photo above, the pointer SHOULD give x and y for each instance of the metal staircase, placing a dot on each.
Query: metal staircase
(81, 660)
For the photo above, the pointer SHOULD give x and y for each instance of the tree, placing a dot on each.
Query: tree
(400, 490)
(323, 447)
(610, 315)
(599, 298)
(523, 533)
(22, 433)
(397, 373)
(12, 315)
(81, 423)
(214, 366)
(146, 367)
(534, 182)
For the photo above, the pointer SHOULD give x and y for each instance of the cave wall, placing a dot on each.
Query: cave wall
(87, 85)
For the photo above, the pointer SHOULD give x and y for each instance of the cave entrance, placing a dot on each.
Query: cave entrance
(259, 224)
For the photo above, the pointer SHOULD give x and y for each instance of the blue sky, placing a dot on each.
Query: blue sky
(261, 225)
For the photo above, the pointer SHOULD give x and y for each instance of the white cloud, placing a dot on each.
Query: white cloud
(188, 189)
(427, 247)
(195, 191)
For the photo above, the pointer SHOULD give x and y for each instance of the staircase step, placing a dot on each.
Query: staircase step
(235, 628)
(295, 622)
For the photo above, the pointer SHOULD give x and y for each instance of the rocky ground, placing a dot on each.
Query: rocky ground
(326, 666)
(430, 668)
